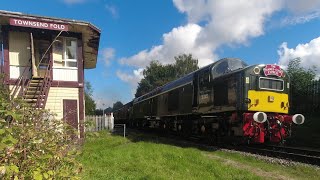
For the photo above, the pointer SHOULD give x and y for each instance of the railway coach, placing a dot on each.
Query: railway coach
(226, 100)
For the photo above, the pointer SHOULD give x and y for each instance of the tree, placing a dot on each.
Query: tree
(33, 143)
(108, 110)
(185, 64)
(300, 80)
(143, 87)
(117, 105)
(90, 105)
(300, 77)
(156, 74)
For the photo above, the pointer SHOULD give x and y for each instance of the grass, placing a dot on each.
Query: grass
(292, 171)
(148, 157)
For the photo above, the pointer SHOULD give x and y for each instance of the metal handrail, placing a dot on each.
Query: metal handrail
(22, 79)
(46, 80)
(43, 89)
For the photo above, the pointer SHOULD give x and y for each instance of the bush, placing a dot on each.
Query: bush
(33, 144)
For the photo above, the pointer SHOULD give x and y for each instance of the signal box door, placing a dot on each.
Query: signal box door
(70, 112)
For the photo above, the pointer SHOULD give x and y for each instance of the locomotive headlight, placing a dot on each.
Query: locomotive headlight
(260, 117)
(256, 70)
(298, 119)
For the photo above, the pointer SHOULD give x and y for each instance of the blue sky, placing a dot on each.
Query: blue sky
(136, 32)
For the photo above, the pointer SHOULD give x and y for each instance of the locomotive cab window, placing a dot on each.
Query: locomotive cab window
(271, 84)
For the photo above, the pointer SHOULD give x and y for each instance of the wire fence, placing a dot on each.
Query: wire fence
(307, 102)
(119, 129)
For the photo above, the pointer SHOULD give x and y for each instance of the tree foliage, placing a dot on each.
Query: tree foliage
(184, 64)
(300, 77)
(156, 74)
(108, 110)
(33, 144)
(90, 105)
(117, 105)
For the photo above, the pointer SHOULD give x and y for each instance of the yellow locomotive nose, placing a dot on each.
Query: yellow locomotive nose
(268, 101)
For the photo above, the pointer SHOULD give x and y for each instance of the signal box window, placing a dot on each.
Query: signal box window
(65, 52)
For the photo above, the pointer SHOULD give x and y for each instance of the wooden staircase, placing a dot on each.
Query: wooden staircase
(33, 94)
(36, 91)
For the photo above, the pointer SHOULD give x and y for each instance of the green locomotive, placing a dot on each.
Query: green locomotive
(226, 99)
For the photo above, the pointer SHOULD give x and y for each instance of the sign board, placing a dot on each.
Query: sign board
(38, 24)
(271, 69)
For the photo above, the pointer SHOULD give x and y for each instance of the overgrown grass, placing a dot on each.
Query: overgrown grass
(147, 157)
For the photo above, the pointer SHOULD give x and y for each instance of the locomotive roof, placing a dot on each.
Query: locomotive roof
(181, 81)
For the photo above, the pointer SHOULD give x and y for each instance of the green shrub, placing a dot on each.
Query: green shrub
(34, 145)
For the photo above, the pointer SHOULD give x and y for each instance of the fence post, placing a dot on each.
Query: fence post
(124, 130)
(111, 121)
(107, 121)
(100, 121)
(97, 123)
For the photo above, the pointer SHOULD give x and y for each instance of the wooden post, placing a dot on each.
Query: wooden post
(33, 59)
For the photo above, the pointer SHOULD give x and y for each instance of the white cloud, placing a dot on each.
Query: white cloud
(131, 78)
(212, 24)
(180, 40)
(300, 19)
(225, 22)
(302, 6)
(74, 1)
(196, 10)
(107, 55)
(112, 10)
(300, 11)
(308, 52)
(229, 22)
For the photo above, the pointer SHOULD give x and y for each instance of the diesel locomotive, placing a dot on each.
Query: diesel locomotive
(225, 100)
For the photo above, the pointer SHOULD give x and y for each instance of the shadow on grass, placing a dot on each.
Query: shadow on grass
(154, 136)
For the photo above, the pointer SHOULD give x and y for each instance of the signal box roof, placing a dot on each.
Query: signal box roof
(90, 33)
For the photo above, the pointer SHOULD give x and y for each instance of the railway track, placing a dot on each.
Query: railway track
(296, 154)
(303, 155)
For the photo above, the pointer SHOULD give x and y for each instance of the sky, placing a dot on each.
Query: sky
(133, 33)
